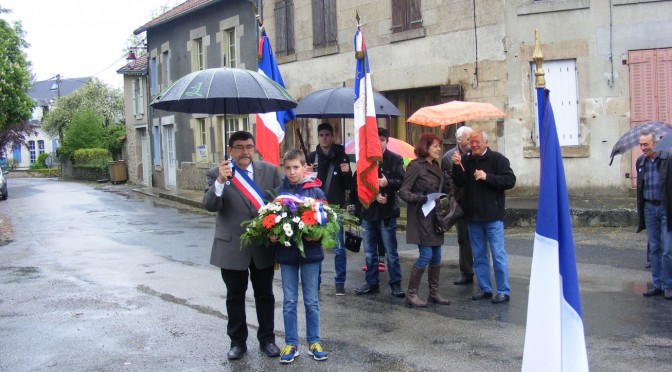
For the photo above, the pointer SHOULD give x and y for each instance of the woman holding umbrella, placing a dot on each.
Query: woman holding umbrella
(423, 177)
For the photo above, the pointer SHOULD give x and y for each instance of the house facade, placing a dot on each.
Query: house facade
(137, 147)
(193, 36)
(427, 52)
(608, 65)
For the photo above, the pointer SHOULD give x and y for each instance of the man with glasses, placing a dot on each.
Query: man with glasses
(333, 169)
(466, 259)
(237, 188)
(654, 187)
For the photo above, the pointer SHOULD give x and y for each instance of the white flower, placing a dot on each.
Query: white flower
(284, 214)
(301, 225)
(296, 219)
(288, 244)
(288, 229)
(278, 219)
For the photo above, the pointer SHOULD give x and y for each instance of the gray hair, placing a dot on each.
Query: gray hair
(461, 130)
(654, 135)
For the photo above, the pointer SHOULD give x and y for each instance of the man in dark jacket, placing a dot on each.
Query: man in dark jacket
(333, 170)
(485, 176)
(466, 259)
(379, 221)
(654, 187)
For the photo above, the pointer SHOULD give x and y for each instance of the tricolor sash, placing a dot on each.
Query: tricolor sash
(247, 187)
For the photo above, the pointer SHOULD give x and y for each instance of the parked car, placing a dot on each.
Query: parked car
(3, 185)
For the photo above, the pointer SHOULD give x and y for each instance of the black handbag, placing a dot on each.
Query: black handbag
(446, 213)
(353, 241)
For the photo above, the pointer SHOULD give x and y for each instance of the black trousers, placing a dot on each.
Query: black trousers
(466, 257)
(236, 287)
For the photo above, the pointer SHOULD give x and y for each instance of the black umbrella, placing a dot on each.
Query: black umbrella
(217, 91)
(631, 138)
(339, 103)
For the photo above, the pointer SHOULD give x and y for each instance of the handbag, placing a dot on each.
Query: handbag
(353, 240)
(446, 212)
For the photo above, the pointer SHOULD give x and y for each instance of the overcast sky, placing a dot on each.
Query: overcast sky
(80, 38)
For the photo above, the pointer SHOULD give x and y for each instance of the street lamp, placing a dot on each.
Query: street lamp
(131, 59)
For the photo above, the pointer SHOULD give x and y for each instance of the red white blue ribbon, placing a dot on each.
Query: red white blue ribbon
(247, 187)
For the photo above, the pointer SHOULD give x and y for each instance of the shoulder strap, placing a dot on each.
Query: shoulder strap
(330, 173)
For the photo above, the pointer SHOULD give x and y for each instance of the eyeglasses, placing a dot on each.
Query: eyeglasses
(243, 147)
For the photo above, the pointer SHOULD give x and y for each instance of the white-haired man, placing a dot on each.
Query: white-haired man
(466, 259)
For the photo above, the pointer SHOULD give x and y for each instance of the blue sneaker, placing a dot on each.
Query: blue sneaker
(317, 352)
(288, 354)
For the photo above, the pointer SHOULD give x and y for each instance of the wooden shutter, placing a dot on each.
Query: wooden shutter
(318, 24)
(141, 97)
(280, 28)
(289, 8)
(414, 14)
(134, 98)
(642, 85)
(330, 22)
(664, 80)
(398, 15)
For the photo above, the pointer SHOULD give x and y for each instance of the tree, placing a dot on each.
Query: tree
(15, 105)
(85, 132)
(14, 137)
(105, 101)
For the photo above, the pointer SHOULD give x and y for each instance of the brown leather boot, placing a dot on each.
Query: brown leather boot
(433, 278)
(413, 284)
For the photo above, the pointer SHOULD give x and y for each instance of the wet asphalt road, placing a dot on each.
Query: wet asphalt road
(99, 278)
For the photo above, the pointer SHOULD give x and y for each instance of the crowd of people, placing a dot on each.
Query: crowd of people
(472, 173)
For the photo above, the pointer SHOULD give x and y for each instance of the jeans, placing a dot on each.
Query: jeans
(481, 235)
(373, 233)
(290, 291)
(660, 245)
(340, 259)
(428, 255)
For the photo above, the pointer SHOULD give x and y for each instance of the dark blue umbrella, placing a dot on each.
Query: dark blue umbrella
(339, 103)
(631, 138)
(223, 90)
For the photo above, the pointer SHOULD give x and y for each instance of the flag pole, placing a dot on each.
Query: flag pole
(540, 80)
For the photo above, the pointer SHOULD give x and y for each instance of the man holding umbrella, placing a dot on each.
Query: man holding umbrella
(654, 188)
(332, 165)
(236, 190)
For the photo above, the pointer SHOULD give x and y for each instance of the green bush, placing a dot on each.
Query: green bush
(91, 158)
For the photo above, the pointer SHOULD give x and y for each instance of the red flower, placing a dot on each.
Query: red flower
(308, 218)
(269, 221)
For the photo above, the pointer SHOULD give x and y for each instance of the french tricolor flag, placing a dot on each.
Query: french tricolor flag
(554, 336)
(270, 125)
(367, 145)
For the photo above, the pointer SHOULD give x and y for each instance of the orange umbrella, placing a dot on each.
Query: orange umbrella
(454, 112)
(397, 146)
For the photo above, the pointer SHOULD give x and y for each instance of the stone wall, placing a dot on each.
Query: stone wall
(191, 176)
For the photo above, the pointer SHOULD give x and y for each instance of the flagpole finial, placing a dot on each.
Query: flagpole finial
(359, 54)
(538, 60)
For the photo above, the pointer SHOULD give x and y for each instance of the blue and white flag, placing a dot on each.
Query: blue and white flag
(554, 336)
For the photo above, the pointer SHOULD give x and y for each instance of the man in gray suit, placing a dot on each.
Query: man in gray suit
(236, 190)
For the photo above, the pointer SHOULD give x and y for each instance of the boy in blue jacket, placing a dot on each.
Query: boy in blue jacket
(296, 182)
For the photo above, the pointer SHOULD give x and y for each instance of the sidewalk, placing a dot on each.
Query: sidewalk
(586, 211)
